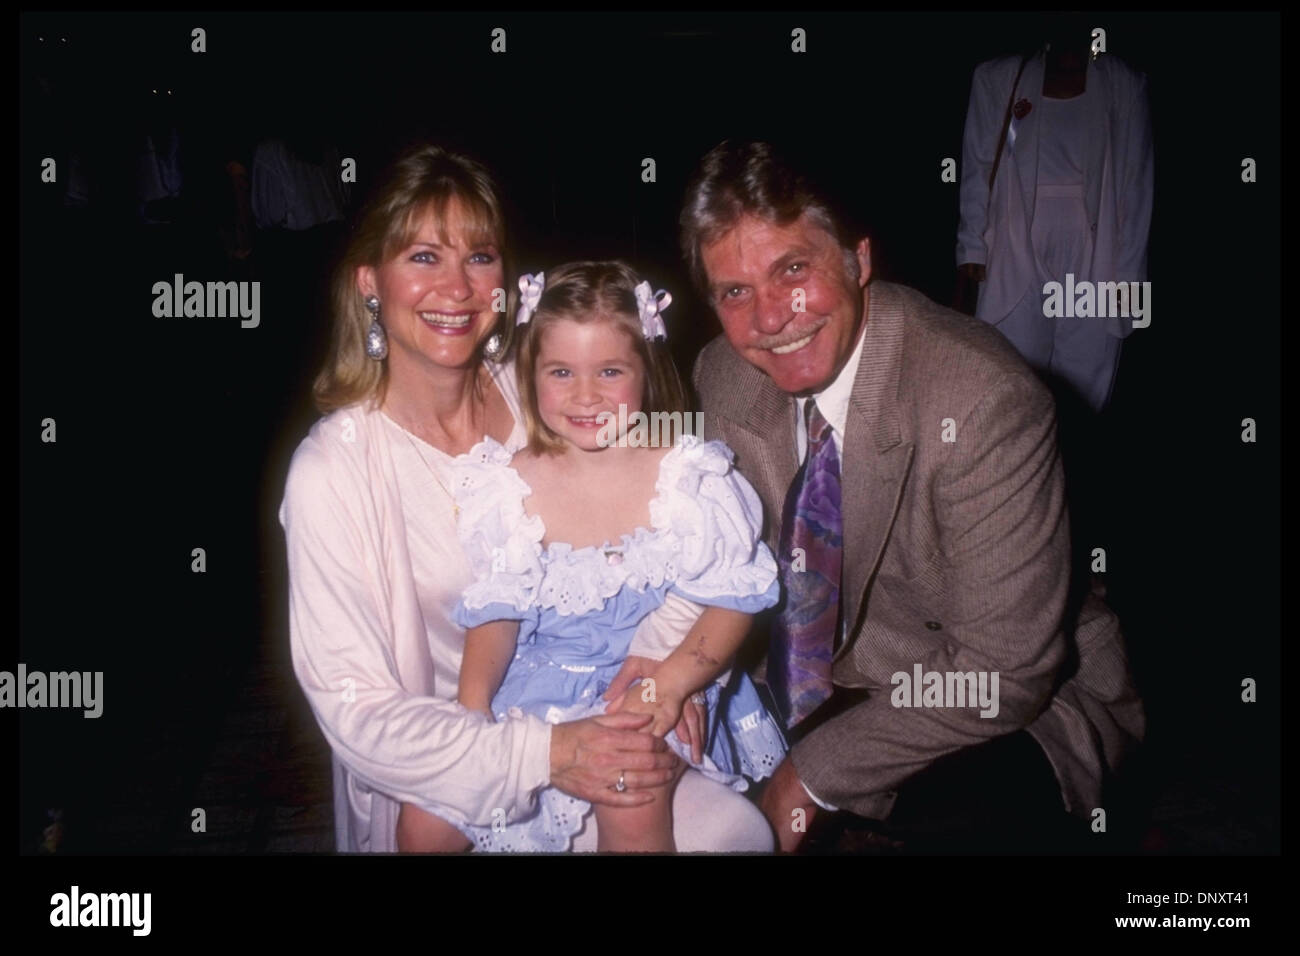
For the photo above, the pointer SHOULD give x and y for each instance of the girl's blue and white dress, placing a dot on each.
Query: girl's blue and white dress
(578, 610)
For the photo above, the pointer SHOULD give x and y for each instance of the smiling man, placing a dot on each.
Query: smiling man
(907, 462)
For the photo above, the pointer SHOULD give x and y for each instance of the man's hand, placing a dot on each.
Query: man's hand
(782, 798)
(588, 756)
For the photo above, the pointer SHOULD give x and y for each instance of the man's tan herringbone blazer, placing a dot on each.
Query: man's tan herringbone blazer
(956, 554)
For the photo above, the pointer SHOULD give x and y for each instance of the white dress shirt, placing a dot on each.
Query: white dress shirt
(832, 402)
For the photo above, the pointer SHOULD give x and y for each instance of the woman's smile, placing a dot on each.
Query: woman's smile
(448, 323)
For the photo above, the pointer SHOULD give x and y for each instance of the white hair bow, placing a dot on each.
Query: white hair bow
(649, 306)
(530, 293)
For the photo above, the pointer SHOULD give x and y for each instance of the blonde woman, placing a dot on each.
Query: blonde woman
(375, 568)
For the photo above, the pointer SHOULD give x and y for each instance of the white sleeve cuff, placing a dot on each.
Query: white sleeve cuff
(815, 799)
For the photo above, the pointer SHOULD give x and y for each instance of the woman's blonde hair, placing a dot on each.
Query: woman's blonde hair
(424, 181)
(592, 292)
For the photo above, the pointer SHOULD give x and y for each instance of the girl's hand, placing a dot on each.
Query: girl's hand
(692, 719)
(665, 708)
(690, 729)
(634, 668)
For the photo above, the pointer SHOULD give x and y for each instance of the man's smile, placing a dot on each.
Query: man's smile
(793, 340)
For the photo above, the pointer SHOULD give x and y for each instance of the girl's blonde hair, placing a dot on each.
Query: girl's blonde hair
(424, 181)
(592, 292)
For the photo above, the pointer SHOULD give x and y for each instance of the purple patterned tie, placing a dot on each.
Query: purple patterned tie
(812, 544)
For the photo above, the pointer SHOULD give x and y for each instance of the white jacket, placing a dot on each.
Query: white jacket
(373, 579)
(1118, 180)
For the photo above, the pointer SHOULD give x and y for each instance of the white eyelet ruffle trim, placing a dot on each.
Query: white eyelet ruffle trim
(706, 522)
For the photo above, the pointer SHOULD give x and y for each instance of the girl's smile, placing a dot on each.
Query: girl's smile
(585, 371)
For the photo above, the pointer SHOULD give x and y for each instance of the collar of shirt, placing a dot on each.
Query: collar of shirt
(832, 402)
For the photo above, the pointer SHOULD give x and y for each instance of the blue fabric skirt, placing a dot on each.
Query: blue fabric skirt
(564, 664)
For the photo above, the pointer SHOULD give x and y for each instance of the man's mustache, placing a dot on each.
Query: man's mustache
(787, 336)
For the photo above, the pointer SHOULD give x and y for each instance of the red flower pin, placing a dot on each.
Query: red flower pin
(1022, 109)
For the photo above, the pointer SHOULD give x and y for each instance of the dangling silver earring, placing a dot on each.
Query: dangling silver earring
(376, 340)
(493, 347)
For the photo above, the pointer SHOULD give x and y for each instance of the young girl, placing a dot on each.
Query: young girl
(580, 536)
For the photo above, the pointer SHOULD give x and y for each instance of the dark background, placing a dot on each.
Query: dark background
(176, 433)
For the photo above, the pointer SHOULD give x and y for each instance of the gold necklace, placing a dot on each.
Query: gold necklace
(411, 438)
(455, 508)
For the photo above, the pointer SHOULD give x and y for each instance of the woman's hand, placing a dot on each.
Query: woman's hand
(589, 756)
(625, 695)
(966, 291)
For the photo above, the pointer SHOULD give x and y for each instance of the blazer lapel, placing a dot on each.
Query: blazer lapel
(1096, 104)
(875, 457)
(765, 450)
(874, 460)
(1025, 148)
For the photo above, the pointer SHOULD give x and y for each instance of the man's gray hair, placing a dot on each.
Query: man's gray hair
(738, 178)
